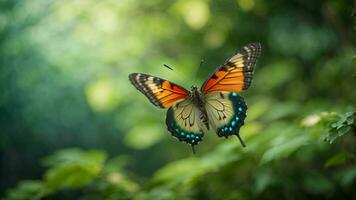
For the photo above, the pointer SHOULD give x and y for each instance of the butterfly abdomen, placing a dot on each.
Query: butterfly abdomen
(204, 117)
(199, 101)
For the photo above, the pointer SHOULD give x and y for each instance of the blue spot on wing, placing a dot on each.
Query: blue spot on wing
(192, 138)
(239, 115)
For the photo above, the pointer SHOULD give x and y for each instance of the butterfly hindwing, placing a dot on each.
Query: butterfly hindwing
(227, 113)
(160, 92)
(236, 73)
(183, 121)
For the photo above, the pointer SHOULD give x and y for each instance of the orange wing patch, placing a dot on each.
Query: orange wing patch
(160, 92)
(236, 73)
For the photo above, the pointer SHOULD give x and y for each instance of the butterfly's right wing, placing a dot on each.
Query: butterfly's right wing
(236, 73)
(227, 113)
(183, 121)
(160, 92)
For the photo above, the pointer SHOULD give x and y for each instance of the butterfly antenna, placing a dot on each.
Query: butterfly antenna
(180, 75)
(193, 148)
(167, 67)
(197, 71)
(241, 141)
(201, 62)
(200, 65)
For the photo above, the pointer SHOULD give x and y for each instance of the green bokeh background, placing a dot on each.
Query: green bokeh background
(72, 126)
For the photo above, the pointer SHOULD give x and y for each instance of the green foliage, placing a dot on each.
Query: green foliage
(72, 169)
(338, 159)
(63, 81)
(28, 190)
(341, 125)
(233, 165)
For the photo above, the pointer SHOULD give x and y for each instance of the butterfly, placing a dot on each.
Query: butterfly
(216, 105)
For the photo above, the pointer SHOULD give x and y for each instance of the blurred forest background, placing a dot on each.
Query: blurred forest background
(72, 126)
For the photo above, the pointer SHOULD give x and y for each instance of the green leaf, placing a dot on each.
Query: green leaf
(73, 168)
(263, 180)
(283, 150)
(340, 126)
(73, 155)
(28, 190)
(120, 181)
(159, 193)
(183, 169)
(338, 159)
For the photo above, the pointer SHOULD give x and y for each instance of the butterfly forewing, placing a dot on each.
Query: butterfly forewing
(160, 92)
(236, 73)
(227, 113)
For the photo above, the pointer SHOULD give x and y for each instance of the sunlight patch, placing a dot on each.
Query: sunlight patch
(102, 95)
(144, 136)
(195, 13)
(246, 5)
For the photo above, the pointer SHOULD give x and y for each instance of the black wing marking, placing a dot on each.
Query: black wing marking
(227, 113)
(183, 122)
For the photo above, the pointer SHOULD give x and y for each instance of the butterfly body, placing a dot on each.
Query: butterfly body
(216, 105)
(198, 100)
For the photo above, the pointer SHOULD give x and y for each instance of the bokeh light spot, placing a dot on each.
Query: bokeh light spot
(195, 13)
(144, 136)
(102, 95)
(246, 5)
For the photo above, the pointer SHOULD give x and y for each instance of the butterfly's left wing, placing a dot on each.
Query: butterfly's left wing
(236, 73)
(227, 112)
(183, 121)
(160, 92)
